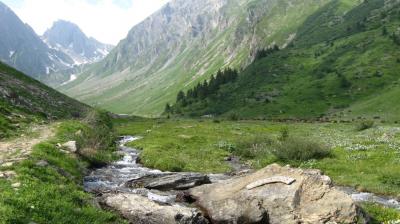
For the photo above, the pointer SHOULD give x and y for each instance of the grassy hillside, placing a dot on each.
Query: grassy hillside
(24, 100)
(47, 186)
(159, 58)
(343, 64)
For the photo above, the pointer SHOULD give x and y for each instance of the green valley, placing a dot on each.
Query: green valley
(208, 112)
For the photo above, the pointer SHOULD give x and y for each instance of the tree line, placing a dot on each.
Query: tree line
(204, 89)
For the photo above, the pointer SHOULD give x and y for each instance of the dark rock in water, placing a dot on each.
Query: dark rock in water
(178, 181)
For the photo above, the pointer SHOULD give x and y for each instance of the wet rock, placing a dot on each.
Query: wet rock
(178, 181)
(284, 195)
(138, 209)
(70, 146)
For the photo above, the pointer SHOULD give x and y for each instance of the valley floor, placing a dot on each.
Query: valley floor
(368, 160)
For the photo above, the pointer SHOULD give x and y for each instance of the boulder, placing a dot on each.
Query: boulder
(175, 181)
(8, 174)
(276, 194)
(139, 209)
(42, 163)
(70, 146)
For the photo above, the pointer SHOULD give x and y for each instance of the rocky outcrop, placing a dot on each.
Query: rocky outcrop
(138, 209)
(176, 181)
(285, 195)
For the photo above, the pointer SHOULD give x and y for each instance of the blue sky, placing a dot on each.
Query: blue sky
(106, 20)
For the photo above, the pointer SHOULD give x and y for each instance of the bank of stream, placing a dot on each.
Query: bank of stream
(117, 178)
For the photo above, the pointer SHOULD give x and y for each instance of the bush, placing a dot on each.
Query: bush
(299, 149)
(364, 125)
(284, 134)
(233, 117)
(255, 147)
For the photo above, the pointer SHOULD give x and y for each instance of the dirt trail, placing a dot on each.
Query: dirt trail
(18, 149)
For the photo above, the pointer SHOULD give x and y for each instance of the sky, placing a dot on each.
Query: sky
(106, 20)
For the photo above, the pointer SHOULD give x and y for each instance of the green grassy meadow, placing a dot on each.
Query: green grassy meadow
(368, 160)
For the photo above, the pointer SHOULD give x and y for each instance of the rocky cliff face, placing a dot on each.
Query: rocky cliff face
(21, 48)
(69, 38)
(184, 43)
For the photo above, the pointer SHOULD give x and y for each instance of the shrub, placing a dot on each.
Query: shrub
(284, 134)
(300, 149)
(233, 117)
(255, 147)
(364, 125)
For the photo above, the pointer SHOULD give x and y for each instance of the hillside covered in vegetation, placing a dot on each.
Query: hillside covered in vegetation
(24, 100)
(343, 64)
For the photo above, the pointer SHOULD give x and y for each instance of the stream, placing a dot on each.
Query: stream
(114, 178)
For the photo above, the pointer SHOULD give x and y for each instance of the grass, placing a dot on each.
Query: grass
(380, 214)
(53, 193)
(368, 160)
(203, 145)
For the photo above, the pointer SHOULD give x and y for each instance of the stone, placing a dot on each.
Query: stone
(309, 199)
(42, 163)
(175, 181)
(7, 164)
(70, 146)
(16, 185)
(139, 209)
(8, 174)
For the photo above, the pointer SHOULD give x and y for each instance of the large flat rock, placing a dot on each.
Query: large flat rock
(139, 209)
(276, 194)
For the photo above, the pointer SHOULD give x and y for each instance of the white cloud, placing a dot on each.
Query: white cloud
(106, 20)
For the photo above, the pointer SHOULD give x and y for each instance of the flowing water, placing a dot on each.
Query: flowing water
(113, 177)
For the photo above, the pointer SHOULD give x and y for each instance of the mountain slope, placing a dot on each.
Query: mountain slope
(24, 100)
(343, 64)
(69, 38)
(183, 43)
(21, 48)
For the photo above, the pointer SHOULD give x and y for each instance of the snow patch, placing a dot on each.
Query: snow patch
(71, 79)
(11, 53)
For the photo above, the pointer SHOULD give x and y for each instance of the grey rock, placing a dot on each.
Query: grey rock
(70, 146)
(309, 199)
(139, 209)
(178, 181)
(42, 163)
(8, 174)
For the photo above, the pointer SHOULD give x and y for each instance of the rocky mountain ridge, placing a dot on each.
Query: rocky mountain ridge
(69, 38)
(182, 44)
(21, 48)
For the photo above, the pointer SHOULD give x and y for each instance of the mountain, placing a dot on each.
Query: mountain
(69, 38)
(21, 48)
(342, 65)
(184, 43)
(24, 100)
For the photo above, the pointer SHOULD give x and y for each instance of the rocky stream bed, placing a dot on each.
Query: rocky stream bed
(274, 194)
